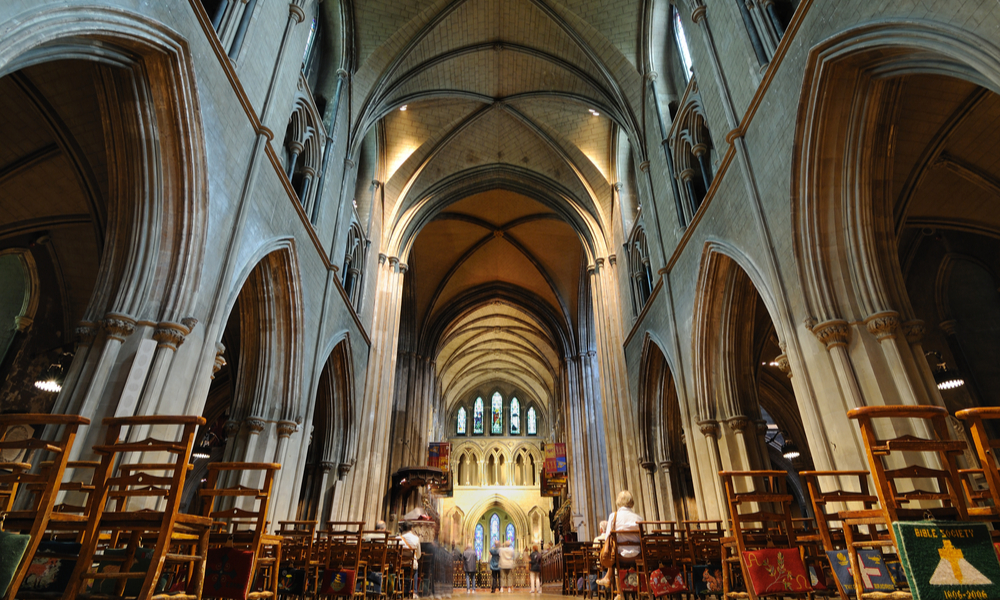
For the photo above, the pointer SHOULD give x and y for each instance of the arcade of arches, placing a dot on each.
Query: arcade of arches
(672, 235)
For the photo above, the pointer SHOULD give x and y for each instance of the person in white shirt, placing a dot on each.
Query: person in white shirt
(508, 560)
(411, 542)
(624, 521)
(604, 533)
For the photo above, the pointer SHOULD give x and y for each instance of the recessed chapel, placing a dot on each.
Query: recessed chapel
(494, 261)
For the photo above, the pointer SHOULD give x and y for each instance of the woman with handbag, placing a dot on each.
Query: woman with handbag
(623, 522)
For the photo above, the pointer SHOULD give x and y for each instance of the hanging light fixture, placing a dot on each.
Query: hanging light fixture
(945, 378)
(789, 450)
(52, 379)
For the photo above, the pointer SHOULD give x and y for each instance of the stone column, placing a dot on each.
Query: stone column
(710, 428)
(283, 480)
(668, 505)
(368, 490)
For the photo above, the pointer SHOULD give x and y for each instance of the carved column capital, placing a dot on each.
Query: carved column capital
(255, 425)
(651, 76)
(232, 428)
(833, 333)
(699, 10)
(914, 331)
(287, 428)
(666, 465)
(948, 327)
(708, 427)
(883, 325)
(783, 366)
(296, 13)
(326, 466)
(344, 468)
(220, 360)
(118, 326)
(738, 423)
(699, 149)
(644, 166)
(22, 323)
(648, 465)
(618, 186)
(686, 175)
(85, 333)
(170, 335)
(612, 259)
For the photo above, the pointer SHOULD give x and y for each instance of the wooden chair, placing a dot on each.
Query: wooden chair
(897, 488)
(135, 504)
(624, 539)
(394, 560)
(374, 546)
(298, 547)
(704, 542)
(761, 518)
(833, 517)
(39, 489)
(983, 504)
(662, 547)
(340, 545)
(239, 518)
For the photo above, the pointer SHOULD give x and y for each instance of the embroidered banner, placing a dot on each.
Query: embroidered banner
(707, 580)
(874, 573)
(948, 560)
(776, 570)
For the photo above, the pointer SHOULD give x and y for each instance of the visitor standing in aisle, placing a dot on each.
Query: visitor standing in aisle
(535, 570)
(508, 560)
(494, 569)
(469, 562)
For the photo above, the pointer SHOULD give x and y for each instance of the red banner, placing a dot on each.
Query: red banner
(439, 455)
(555, 458)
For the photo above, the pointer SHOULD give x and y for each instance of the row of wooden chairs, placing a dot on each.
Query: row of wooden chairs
(910, 478)
(118, 518)
(345, 547)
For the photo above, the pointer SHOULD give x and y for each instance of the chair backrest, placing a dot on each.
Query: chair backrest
(19, 448)
(297, 541)
(660, 544)
(829, 527)
(761, 517)
(898, 487)
(989, 503)
(704, 539)
(341, 544)
(373, 549)
(235, 507)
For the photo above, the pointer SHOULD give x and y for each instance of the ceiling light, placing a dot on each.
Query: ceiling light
(52, 380)
(789, 450)
(402, 108)
(945, 378)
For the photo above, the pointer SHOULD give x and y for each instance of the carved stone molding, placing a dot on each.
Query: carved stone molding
(296, 13)
(698, 12)
(232, 428)
(833, 333)
(85, 333)
(170, 335)
(708, 428)
(612, 259)
(914, 331)
(644, 166)
(651, 76)
(326, 466)
(118, 327)
(22, 323)
(699, 149)
(287, 428)
(344, 468)
(649, 465)
(883, 325)
(686, 175)
(738, 424)
(220, 360)
(666, 465)
(783, 366)
(255, 425)
(948, 327)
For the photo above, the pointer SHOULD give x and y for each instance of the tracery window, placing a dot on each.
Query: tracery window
(494, 530)
(532, 421)
(354, 264)
(515, 417)
(479, 541)
(640, 273)
(460, 428)
(509, 534)
(477, 417)
(497, 423)
(682, 45)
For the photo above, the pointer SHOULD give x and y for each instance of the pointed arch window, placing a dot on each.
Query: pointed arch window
(479, 541)
(532, 421)
(515, 417)
(497, 413)
(477, 417)
(509, 534)
(494, 530)
(682, 45)
(460, 426)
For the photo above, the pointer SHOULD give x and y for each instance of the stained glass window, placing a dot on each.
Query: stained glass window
(497, 427)
(477, 417)
(682, 44)
(532, 421)
(309, 41)
(509, 534)
(515, 417)
(494, 530)
(460, 429)
(479, 541)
